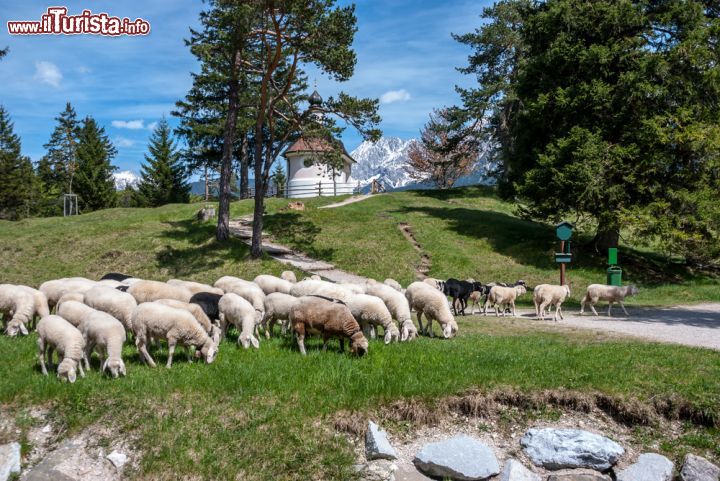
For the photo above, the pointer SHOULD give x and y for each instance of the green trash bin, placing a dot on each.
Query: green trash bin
(614, 276)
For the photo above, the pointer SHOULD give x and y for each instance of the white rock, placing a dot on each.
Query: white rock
(515, 471)
(461, 458)
(570, 448)
(117, 458)
(47, 428)
(696, 468)
(9, 460)
(648, 467)
(377, 445)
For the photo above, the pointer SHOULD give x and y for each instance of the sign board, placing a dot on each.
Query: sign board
(564, 230)
(563, 257)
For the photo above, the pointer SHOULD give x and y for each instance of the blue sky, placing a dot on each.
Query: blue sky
(406, 58)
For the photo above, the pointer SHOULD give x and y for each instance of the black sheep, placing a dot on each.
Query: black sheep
(208, 302)
(460, 290)
(115, 276)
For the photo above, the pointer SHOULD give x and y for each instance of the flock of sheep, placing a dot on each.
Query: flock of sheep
(97, 316)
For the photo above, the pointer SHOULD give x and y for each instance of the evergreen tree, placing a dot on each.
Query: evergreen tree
(17, 178)
(163, 177)
(279, 178)
(56, 169)
(94, 183)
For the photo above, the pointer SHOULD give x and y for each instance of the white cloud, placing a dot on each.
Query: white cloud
(152, 125)
(123, 142)
(129, 124)
(391, 96)
(48, 72)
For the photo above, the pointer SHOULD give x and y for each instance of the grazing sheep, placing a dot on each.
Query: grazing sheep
(225, 282)
(601, 292)
(109, 283)
(289, 276)
(17, 307)
(106, 335)
(330, 318)
(152, 320)
(56, 334)
(193, 309)
(237, 311)
(277, 308)
(115, 276)
(118, 304)
(352, 287)
(148, 291)
(70, 296)
(398, 306)
(460, 291)
(545, 295)
(423, 299)
(476, 298)
(501, 296)
(55, 289)
(254, 295)
(310, 287)
(41, 303)
(208, 302)
(394, 284)
(74, 312)
(195, 287)
(371, 311)
(270, 284)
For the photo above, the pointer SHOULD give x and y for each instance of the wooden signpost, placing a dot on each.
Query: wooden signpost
(564, 233)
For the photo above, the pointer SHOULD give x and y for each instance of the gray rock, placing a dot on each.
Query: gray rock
(648, 467)
(515, 471)
(377, 445)
(461, 458)
(9, 460)
(581, 476)
(696, 468)
(117, 458)
(570, 448)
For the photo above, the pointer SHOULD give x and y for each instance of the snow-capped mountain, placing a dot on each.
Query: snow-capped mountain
(383, 161)
(125, 178)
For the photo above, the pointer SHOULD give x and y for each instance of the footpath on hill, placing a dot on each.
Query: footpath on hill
(696, 325)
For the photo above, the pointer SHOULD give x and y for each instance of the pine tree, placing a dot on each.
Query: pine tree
(93, 179)
(18, 183)
(56, 169)
(280, 179)
(163, 177)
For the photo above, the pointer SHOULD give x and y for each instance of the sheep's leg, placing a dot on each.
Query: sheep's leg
(582, 306)
(623, 308)
(342, 345)
(41, 355)
(592, 306)
(299, 330)
(512, 306)
(541, 309)
(142, 347)
(428, 326)
(419, 318)
(558, 312)
(610, 309)
(171, 350)
(87, 354)
(50, 351)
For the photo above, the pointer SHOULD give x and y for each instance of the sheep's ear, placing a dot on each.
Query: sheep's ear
(447, 331)
(405, 334)
(23, 329)
(72, 376)
(105, 365)
(388, 336)
(123, 371)
(255, 342)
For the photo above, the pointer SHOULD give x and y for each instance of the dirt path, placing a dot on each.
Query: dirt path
(696, 325)
(425, 262)
(349, 200)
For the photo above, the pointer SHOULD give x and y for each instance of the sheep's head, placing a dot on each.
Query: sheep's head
(16, 327)
(520, 288)
(567, 289)
(209, 351)
(632, 290)
(358, 344)
(391, 333)
(66, 370)
(450, 329)
(409, 331)
(115, 367)
(247, 340)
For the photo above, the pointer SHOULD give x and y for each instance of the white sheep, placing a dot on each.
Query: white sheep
(289, 276)
(148, 291)
(118, 304)
(270, 284)
(434, 283)
(226, 281)
(601, 292)
(398, 306)
(394, 284)
(106, 335)
(353, 287)
(17, 307)
(196, 311)
(41, 303)
(277, 308)
(56, 334)
(55, 289)
(152, 320)
(503, 296)
(547, 295)
(253, 294)
(237, 311)
(74, 312)
(371, 311)
(69, 296)
(311, 287)
(423, 299)
(195, 287)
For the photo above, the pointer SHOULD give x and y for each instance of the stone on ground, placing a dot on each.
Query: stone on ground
(377, 445)
(570, 448)
(462, 458)
(579, 476)
(696, 468)
(515, 471)
(9, 460)
(648, 467)
(118, 459)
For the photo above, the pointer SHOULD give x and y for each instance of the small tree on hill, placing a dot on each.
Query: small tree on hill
(441, 157)
(163, 176)
(279, 178)
(17, 178)
(94, 182)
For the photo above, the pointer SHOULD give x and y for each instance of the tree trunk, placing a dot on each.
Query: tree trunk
(223, 226)
(608, 235)
(244, 168)
(207, 186)
(256, 247)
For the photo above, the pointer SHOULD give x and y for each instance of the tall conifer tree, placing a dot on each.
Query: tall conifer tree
(93, 180)
(163, 176)
(17, 177)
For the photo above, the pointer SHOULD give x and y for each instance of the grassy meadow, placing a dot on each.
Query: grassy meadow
(270, 413)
